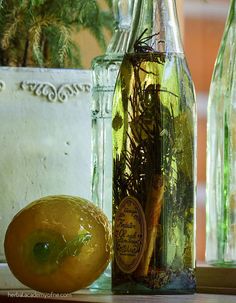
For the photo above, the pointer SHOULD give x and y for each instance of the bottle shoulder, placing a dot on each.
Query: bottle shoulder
(107, 59)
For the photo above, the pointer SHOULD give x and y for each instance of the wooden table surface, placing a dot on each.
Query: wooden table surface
(20, 297)
(214, 285)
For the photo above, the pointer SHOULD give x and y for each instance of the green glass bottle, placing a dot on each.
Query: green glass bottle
(221, 152)
(154, 165)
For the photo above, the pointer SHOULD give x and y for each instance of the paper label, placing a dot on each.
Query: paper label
(129, 234)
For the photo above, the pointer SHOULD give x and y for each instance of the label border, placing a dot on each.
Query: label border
(131, 268)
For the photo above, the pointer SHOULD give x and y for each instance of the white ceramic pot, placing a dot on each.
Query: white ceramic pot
(45, 135)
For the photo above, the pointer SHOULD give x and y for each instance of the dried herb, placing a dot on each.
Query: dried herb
(153, 160)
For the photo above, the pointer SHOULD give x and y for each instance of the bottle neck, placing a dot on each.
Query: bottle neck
(125, 13)
(122, 11)
(133, 17)
(229, 31)
(232, 13)
(159, 19)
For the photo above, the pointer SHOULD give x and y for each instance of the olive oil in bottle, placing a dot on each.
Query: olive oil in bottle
(154, 171)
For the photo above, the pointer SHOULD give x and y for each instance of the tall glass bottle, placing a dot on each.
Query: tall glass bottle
(104, 73)
(105, 69)
(221, 152)
(154, 171)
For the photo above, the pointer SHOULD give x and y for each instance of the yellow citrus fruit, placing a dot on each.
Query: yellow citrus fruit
(58, 244)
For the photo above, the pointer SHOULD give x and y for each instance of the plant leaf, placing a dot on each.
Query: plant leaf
(74, 246)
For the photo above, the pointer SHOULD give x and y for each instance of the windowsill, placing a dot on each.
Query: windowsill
(216, 280)
(212, 284)
(94, 298)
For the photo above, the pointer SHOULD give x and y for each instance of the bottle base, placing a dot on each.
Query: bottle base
(177, 283)
(127, 289)
(222, 263)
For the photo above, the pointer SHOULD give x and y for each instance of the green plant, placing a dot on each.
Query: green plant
(39, 32)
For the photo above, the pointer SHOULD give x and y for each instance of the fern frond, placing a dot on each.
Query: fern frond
(109, 3)
(35, 35)
(40, 31)
(74, 56)
(7, 35)
(106, 19)
(23, 4)
(89, 13)
(64, 43)
(36, 3)
(10, 32)
(99, 36)
(39, 23)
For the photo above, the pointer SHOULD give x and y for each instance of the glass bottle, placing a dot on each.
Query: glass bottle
(105, 69)
(221, 152)
(154, 166)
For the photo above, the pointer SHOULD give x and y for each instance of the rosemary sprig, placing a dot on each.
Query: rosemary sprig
(140, 169)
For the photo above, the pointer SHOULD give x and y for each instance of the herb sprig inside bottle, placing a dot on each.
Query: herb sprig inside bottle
(153, 170)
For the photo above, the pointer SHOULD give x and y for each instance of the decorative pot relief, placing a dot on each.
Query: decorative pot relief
(53, 93)
(2, 85)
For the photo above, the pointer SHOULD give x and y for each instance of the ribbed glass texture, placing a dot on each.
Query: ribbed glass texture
(104, 72)
(105, 69)
(221, 152)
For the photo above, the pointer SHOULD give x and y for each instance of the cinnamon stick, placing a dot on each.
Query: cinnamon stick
(152, 214)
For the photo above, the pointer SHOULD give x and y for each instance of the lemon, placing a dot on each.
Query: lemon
(58, 244)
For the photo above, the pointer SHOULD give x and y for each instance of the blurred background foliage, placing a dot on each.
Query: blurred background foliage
(45, 33)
